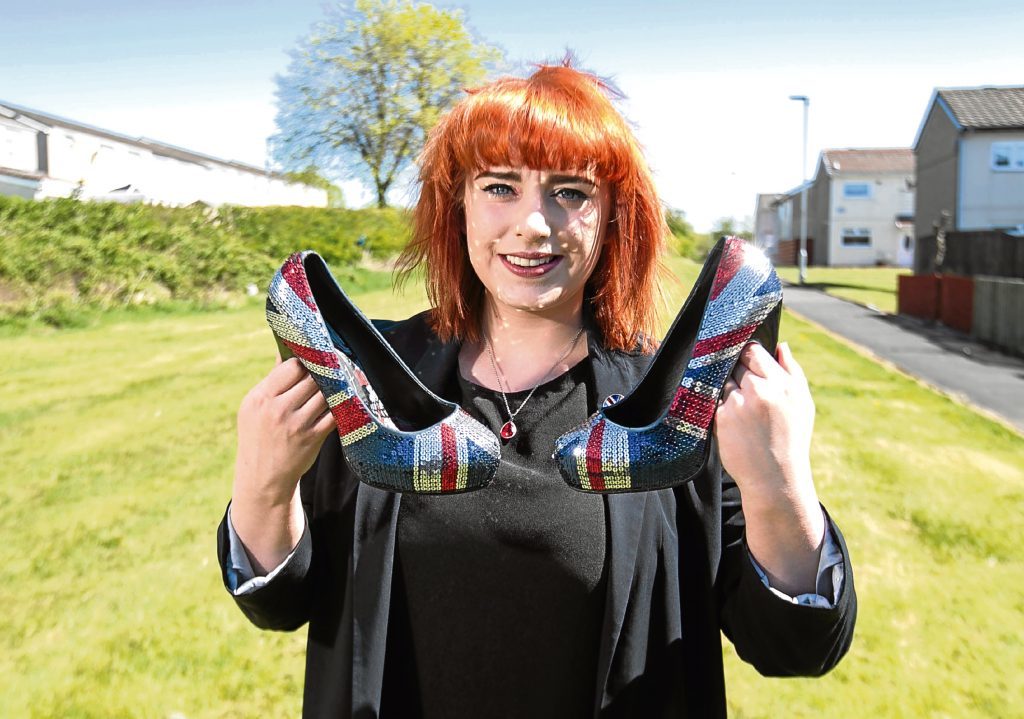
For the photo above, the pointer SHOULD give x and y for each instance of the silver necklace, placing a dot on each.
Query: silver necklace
(509, 429)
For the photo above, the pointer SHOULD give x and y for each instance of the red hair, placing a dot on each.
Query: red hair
(559, 118)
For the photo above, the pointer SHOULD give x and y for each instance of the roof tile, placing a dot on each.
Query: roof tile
(986, 108)
(874, 159)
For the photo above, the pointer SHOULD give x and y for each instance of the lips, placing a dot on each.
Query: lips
(530, 264)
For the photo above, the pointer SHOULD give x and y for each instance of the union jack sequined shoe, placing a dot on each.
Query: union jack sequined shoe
(658, 436)
(420, 443)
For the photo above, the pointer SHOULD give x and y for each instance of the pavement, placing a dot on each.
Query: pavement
(950, 361)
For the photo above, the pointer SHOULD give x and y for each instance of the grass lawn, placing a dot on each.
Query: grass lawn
(874, 286)
(117, 444)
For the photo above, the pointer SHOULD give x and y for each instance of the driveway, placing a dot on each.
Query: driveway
(948, 360)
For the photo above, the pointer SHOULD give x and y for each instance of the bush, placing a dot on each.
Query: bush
(60, 256)
(684, 240)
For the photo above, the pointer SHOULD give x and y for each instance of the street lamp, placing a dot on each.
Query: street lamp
(803, 194)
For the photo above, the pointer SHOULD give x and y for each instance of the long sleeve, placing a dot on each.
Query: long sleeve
(774, 633)
(240, 578)
(280, 600)
(829, 581)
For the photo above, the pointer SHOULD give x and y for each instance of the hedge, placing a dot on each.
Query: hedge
(59, 256)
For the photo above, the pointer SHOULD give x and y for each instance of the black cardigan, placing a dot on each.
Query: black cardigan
(678, 575)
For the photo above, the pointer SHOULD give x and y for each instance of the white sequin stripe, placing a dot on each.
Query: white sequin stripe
(302, 326)
(615, 458)
(699, 388)
(337, 398)
(581, 468)
(308, 323)
(462, 452)
(750, 315)
(687, 428)
(284, 329)
(724, 317)
(357, 434)
(426, 475)
(713, 357)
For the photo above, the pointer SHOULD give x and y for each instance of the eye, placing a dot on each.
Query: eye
(570, 194)
(499, 189)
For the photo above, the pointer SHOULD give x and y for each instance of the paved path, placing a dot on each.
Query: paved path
(944, 358)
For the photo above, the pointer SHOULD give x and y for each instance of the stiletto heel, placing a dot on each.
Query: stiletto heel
(396, 433)
(658, 436)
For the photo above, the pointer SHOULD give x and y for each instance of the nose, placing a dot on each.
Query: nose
(534, 226)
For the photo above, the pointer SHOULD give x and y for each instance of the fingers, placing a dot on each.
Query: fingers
(299, 393)
(312, 412)
(757, 359)
(787, 361)
(284, 376)
(739, 372)
(325, 424)
(728, 388)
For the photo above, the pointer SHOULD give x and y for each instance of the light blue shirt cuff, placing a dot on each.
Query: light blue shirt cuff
(240, 575)
(829, 581)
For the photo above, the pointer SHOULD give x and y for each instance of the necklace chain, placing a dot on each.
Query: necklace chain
(501, 387)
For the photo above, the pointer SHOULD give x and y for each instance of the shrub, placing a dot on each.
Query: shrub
(59, 256)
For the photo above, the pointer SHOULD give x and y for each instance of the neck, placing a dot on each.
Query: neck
(526, 346)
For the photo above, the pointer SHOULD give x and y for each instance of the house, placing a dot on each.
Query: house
(767, 225)
(860, 210)
(970, 162)
(42, 155)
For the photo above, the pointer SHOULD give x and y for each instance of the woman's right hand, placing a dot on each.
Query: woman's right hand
(282, 423)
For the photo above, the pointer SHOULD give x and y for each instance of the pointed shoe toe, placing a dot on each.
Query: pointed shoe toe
(659, 435)
(395, 433)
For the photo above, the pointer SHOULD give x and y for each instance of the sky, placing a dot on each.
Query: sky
(707, 84)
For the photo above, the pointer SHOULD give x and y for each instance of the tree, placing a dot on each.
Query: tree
(725, 226)
(686, 241)
(366, 85)
(312, 177)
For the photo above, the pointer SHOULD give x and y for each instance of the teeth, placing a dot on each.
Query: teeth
(523, 262)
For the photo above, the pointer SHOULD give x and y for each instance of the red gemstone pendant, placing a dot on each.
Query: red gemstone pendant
(508, 430)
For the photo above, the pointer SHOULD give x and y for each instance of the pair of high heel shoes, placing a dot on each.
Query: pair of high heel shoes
(407, 439)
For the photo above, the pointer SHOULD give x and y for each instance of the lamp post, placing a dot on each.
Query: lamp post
(803, 194)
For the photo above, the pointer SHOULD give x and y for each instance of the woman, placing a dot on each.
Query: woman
(540, 233)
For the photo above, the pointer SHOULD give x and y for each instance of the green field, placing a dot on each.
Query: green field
(117, 444)
(875, 286)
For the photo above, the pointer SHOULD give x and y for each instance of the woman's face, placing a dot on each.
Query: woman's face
(534, 236)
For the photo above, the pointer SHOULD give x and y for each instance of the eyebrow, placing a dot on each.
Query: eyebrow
(516, 177)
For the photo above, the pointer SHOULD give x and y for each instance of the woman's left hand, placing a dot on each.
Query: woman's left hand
(763, 427)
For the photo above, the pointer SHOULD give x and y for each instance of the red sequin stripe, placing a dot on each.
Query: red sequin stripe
(449, 459)
(295, 275)
(595, 461)
(691, 407)
(726, 339)
(324, 359)
(350, 415)
(732, 259)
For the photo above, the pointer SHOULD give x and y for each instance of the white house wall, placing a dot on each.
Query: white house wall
(988, 198)
(100, 164)
(889, 197)
(17, 147)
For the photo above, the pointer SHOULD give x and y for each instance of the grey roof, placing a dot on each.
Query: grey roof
(21, 174)
(869, 159)
(985, 108)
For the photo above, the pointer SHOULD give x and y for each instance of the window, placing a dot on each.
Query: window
(856, 237)
(1008, 156)
(856, 190)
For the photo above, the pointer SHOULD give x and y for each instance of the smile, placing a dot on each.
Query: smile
(530, 264)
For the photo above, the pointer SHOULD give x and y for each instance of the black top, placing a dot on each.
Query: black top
(677, 570)
(504, 588)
